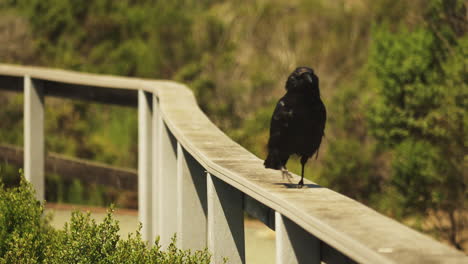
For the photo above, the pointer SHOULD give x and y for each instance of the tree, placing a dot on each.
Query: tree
(420, 112)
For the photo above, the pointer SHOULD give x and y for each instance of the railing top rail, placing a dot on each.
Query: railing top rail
(350, 227)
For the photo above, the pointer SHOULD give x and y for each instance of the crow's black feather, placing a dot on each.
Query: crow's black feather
(298, 122)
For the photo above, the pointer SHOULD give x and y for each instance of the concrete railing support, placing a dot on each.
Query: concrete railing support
(191, 202)
(294, 244)
(225, 222)
(167, 184)
(145, 115)
(34, 134)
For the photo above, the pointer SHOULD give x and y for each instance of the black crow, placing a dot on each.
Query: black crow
(298, 122)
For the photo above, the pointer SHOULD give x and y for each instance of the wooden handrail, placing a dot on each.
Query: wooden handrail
(194, 180)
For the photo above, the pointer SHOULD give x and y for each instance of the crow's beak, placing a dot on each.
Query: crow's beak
(308, 78)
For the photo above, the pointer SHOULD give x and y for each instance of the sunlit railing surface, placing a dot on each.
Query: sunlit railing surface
(195, 181)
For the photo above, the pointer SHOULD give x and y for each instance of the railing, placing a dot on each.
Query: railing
(70, 168)
(195, 181)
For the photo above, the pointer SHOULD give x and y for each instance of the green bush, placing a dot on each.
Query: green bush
(419, 113)
(415, 176)
(349, 163)
(27, 237)
(76, 192)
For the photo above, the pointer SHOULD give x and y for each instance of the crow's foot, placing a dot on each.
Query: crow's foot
(286, 174)
(300, 184)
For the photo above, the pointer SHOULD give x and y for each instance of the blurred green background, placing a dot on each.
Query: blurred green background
(393, 76)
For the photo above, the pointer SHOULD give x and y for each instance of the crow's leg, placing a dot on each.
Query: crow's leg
(286, 174)
(303, 162)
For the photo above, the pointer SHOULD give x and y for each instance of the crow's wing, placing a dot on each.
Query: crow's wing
(322, 116)
(322, 119)
(280, 122)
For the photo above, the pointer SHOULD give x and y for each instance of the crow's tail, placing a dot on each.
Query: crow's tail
(273, 161)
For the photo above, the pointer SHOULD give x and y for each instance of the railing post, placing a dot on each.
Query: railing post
(144, 163)
(155, 182)
(225, 222)
(34, 134)
(294, 244)
(191, 202)
(167, 189)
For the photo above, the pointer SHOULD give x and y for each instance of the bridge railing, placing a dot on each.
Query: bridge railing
(195, 181)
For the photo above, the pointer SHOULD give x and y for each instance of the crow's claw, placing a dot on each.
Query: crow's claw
(286, 174)
(300, 184)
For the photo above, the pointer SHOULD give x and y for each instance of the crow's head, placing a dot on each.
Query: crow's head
(303, 79)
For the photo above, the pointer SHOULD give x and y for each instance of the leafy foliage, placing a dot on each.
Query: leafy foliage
(26, 237)
(351, 163)
(349, 170)
(24, 233)
(420, 111)
(415, 175)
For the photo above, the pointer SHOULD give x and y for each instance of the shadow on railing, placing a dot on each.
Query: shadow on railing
(195, 181)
